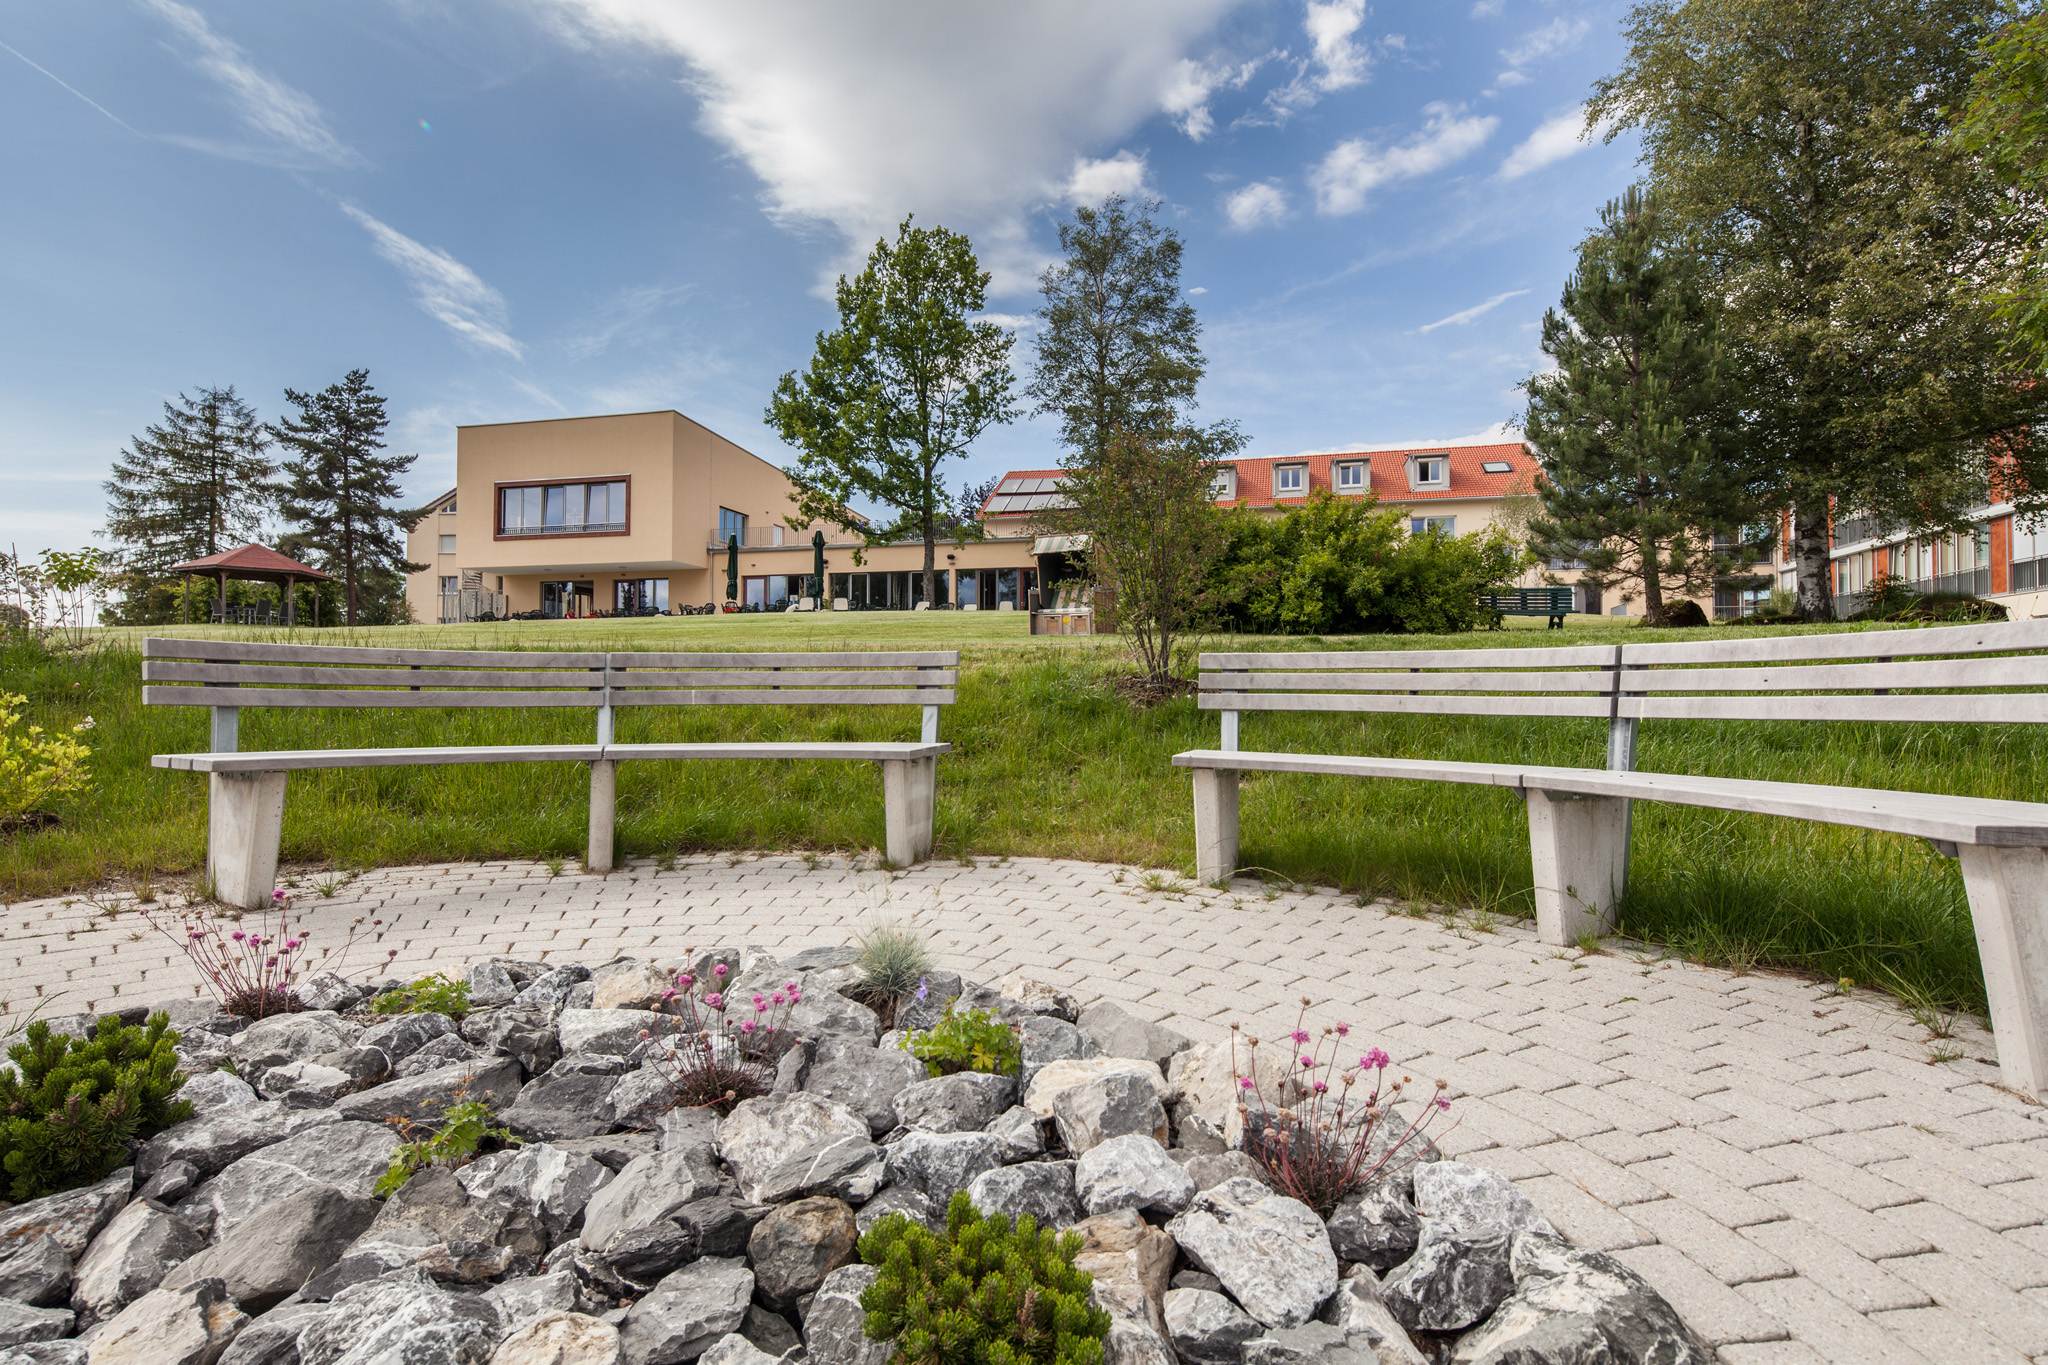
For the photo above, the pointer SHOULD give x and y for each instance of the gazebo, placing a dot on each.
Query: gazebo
(257, 562)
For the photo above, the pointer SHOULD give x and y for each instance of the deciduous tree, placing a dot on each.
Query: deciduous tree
(2008, 124)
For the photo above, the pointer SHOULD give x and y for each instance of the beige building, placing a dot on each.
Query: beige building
(637, 513)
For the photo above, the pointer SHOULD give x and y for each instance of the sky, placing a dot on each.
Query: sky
(517, 209)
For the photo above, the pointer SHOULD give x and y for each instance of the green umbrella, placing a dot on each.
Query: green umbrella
(818, 565)
(732, 569)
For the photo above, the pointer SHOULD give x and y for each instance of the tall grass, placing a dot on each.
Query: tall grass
(1048, 760)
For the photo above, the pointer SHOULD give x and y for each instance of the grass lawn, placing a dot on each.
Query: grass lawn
(1048, 760)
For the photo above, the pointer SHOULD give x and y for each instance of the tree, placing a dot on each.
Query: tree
(192, 486)
(1802, 151)
(906, 382)
(342, 493)
(1637, 424)
(1119, 349)
(2007, 124)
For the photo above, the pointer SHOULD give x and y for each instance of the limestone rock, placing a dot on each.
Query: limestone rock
(331, 991)
(21, 1323)
(770, 1332)
(551, 988)
(560, 1339)
(687, 1312)
(1358, 1310)
(965, 1102)
(1131, 1172)
(641, 1097)
(826, 1014)
(832, 1325)
(908, 1202)
(1571, 1305)
(941, 989)
(528, 1297)
(1455, 1197)
(563, 1104)
(211, 1091)
(610, 1150)
(424, 1099)
(525, 1034)
(451, 1050)
(760, 1134)
(213, 1141)
(34, 1270)
(1116, 1032)
(845, 1168)
(1111, 1106)
(1055, 1077)
(865, 1079)
(402, 1035)
(1206, 1328)
(650, 1189)
(615, 1031)
(1132, 1263)
(1378, 1228)
(402, 1317)
(1451, 1282)
(938, 1164)
(285, 1038)
(735, 1349)
(630, 986)
(272, 1253)
(350, 1157)
(1037, 996)
(1203, 1077)
(553, 1185)
(188, 1326)
(490, 986)
(307, 1084)
(1133, 1343)
(1043, 1189)
(1270, 1252)
(1210, 1171)
(797, 1245)
(1020, 1131)
(131, 1257)
(176, 1180)
(273, 1339)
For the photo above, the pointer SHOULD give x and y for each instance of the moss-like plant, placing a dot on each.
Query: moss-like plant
(70, 1106)
(983, 1292)
(464, 1129)
(434, 994)
(970, 1041)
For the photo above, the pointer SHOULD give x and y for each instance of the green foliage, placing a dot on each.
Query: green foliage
(1888, 598)
(434, 994)
(2008, 124)
(69, 1106)
(191, 487)
(464, 1128)
(892, 959)
(970, 1041)
(984, 1292)
(1637, 424)
(36, 768)
(908, 381)
(1343, 565)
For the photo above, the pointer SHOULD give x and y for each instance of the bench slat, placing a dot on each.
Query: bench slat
(280, 696)
(163, 671)
(157, 647)
(1425, 705)
(1561, 656)
(1601, 682)
(296, 759)
(875, 752)
(786, 696)
(2025, 670)
(2017, 708)
(1981, 638)
(762, 677)
(934, 658)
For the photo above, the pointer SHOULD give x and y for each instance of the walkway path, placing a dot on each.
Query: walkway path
(1786, 1164)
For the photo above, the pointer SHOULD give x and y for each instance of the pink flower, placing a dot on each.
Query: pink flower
(278, 894)
(1375, 1060)
(1308, 1062)
(1245, 1083)
(238, 936)
(747, 1026)
(779, 998)
(719, 971)
(1443, 1104)
(1300, 1036)
(1321, 1086)
(1343, 1030)
(795, 995)
(715, 1001)
(685, 980)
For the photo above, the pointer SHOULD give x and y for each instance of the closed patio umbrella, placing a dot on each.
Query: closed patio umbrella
(732, 569)
(818, 565)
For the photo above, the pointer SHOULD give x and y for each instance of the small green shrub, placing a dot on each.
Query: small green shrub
(66, 1118)
(893, 962)
(36, 768)
(464, 1128)
(434, 994)
(984, 1292)
(968, 1042)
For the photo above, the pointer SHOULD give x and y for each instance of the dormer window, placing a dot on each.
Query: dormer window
(1429, 471)
(1290, 480)
(1353, 476)
(1224, 489)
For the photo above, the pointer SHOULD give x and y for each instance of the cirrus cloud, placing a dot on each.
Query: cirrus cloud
(1353, 169)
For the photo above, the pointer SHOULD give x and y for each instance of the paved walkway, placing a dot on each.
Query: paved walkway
(1799, 1171)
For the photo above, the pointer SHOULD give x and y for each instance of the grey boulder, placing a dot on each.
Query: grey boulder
(650, 1189)
(402, 1035)
(401, 1317)
(1116, 1032)
(1042, 1189)
(688, 1311)
(141, 1246)
(211, 1091)
(1572, 1305)
(285, 1038)
(213, 1141)
(1459, 1271)
(560, 1339)
(965, 1102)
(1206, 1328)
(1269, 1251)
(896, 1199)
(616, 1032)
(424, 1099)
(1110, 1106)
(1021, 1132)
(1455, 1197)
(551, 1185)
(490, 986)
(35, 1271)
(833, 1332)
(563, 1104)
(189, 1326)
(270, 1255)
(1358, 1310)
(350, 1157)
(1378, 1228)
(937, 1165)
(760, 1134)
(527, 1035)
(72, 1217)
(21, 1323)
(796, 1246)
(1131, 1172)
(847, 1168)
(551, 988)
(865, 1079)
(450, 1050)
(307, 1084)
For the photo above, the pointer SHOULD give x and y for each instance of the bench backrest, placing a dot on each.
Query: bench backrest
(925, 678)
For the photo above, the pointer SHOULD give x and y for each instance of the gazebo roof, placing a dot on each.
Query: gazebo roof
(253, 561)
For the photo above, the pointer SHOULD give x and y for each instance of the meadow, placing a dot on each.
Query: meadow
(1051, 760)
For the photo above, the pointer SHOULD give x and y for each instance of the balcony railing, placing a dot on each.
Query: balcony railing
(472, 604)
(567, 528)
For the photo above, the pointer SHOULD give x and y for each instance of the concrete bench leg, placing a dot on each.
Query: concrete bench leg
(604, 792)
(909, 786)
(1215, 824)
(2008, 890)
(1578, 847)
(244, 824)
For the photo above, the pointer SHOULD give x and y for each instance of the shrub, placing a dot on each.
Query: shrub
(968, 1042)
(893, 962)
(984, 1292)
(434, 994)
(251, 971)
(464, 1128)
(1316, 1137)
(70, 1106)
(714, 1054)
(36, 768)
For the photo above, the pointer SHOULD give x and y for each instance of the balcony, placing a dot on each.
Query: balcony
(564, 528)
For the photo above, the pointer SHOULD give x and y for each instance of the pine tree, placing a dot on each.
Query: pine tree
(1637, 425)
(192, 486)
(340, 491)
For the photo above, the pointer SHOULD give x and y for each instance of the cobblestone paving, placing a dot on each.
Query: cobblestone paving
(1800, 1171)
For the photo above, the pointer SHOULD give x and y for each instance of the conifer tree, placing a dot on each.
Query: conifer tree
(1636, 426)
(193, 485)
(341, 492)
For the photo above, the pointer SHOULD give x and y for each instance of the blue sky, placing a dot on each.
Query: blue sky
(511, 209)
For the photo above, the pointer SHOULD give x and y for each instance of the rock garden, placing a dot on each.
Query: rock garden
(741, 1160)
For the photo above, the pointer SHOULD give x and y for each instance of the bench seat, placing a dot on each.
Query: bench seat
(293, 760)
(879, 751)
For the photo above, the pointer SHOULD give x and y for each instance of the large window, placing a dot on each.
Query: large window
(562, 509)
(1351, 477)
(640, 594)
(1422, 526)
(730, 524)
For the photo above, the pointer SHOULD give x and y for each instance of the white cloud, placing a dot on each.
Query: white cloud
(1477, 310)
(1356, 167)
(1094, 181)
(1488, 9)
(627, 314)
(1336, 60)
(1554, 140)
(286, 118)
(1010, 322)
(1559, 35)
(1255, 206)
(968, 116)
(1184, 98)
(1199, 290)
(445, 289)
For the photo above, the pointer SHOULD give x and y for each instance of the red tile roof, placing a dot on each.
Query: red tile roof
(253, 559)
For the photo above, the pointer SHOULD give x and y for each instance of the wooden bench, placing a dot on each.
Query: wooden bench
(245, 799)
(1579, 817)
(1554, 603)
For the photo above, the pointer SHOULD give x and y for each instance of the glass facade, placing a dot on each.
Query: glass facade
(562, 509)
(640, 594)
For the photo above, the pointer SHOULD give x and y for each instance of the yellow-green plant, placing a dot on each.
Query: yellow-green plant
(35, 766)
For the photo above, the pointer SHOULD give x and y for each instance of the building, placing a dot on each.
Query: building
(635, 512)
(2000, 557)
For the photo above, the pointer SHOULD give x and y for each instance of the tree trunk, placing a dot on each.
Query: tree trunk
(931, 558)
(1816, 598)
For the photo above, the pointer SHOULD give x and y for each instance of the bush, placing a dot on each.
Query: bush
(464, 1128)
(968, 1042)
(893, 962)
(713, 1050)
(984, 1292)
(36, 768)
(70, 1106)
(434, 994)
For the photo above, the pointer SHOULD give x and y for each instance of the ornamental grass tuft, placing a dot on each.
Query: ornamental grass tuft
(893, 962)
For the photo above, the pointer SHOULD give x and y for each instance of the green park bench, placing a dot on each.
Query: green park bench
(1555, 603)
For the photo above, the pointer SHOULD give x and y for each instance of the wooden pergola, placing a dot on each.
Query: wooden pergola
(258, 563)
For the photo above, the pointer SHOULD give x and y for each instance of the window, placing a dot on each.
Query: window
(1422, 526)
(640, 594)
(563, 509)
(1496, 467)
(1225, 487)
(448, 508)
(450, 583)
(447, 545)
(730, 524)
(1429, 471)
(1352, 477)
(1290, 480)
